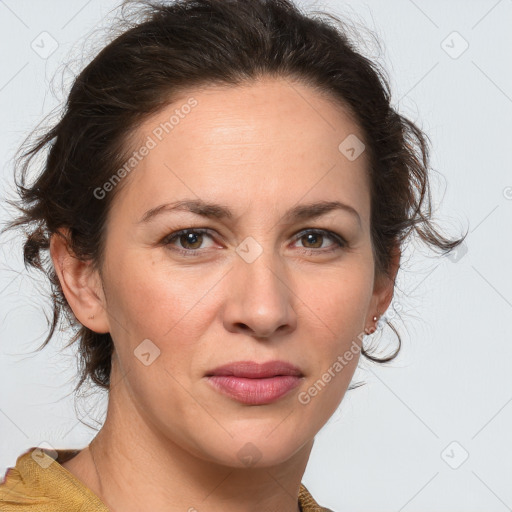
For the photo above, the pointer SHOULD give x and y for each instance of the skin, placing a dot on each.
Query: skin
(170, 441)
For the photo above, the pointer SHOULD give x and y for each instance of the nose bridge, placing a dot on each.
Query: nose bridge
(257, 264)
(259, 297)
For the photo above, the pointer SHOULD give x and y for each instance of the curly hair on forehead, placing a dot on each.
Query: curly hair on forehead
(164, 49)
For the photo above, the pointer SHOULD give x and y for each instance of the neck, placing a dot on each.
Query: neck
(131, 466)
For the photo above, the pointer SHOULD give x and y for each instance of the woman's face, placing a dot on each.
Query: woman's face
(248, 289)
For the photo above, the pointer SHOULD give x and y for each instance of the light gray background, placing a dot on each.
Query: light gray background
(386, 447)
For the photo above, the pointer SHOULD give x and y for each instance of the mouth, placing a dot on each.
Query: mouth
(255, 384)
(252, 370)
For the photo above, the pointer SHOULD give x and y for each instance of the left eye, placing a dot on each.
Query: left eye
(313, 235)
(191, 240)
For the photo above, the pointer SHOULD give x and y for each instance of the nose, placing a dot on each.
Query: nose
(260, 300)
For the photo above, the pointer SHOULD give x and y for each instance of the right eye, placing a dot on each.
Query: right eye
(187, 237)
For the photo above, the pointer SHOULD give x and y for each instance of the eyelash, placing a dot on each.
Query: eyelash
(340, 241)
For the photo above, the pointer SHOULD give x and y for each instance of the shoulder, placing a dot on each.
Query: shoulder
(307, 502)
(39, 483)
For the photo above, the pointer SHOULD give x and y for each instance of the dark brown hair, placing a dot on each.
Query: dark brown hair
(170, 48)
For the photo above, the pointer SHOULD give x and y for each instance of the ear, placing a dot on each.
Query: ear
(384, 287)
(80, 283)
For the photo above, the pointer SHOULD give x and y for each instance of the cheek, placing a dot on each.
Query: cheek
(169, 308)
(335, 334)
(156, 298)
(336, 328)
(340, 300)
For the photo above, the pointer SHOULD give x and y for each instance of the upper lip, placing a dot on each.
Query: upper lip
(253, 370)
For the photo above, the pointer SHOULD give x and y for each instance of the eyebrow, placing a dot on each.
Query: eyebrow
(217, 211)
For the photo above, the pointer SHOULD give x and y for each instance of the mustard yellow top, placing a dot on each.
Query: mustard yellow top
(38, 483)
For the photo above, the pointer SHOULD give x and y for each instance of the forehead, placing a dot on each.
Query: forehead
(268, 111)
(276, 135)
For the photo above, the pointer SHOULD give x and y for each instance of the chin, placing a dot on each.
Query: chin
(252, 447)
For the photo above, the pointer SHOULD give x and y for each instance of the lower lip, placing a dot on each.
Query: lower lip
(254, 391)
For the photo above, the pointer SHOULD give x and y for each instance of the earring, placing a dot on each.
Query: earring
(371, 330)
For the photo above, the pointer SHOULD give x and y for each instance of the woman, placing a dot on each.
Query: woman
(224, 203)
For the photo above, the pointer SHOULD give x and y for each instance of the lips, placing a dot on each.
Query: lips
(252, 383)
(252, 370)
